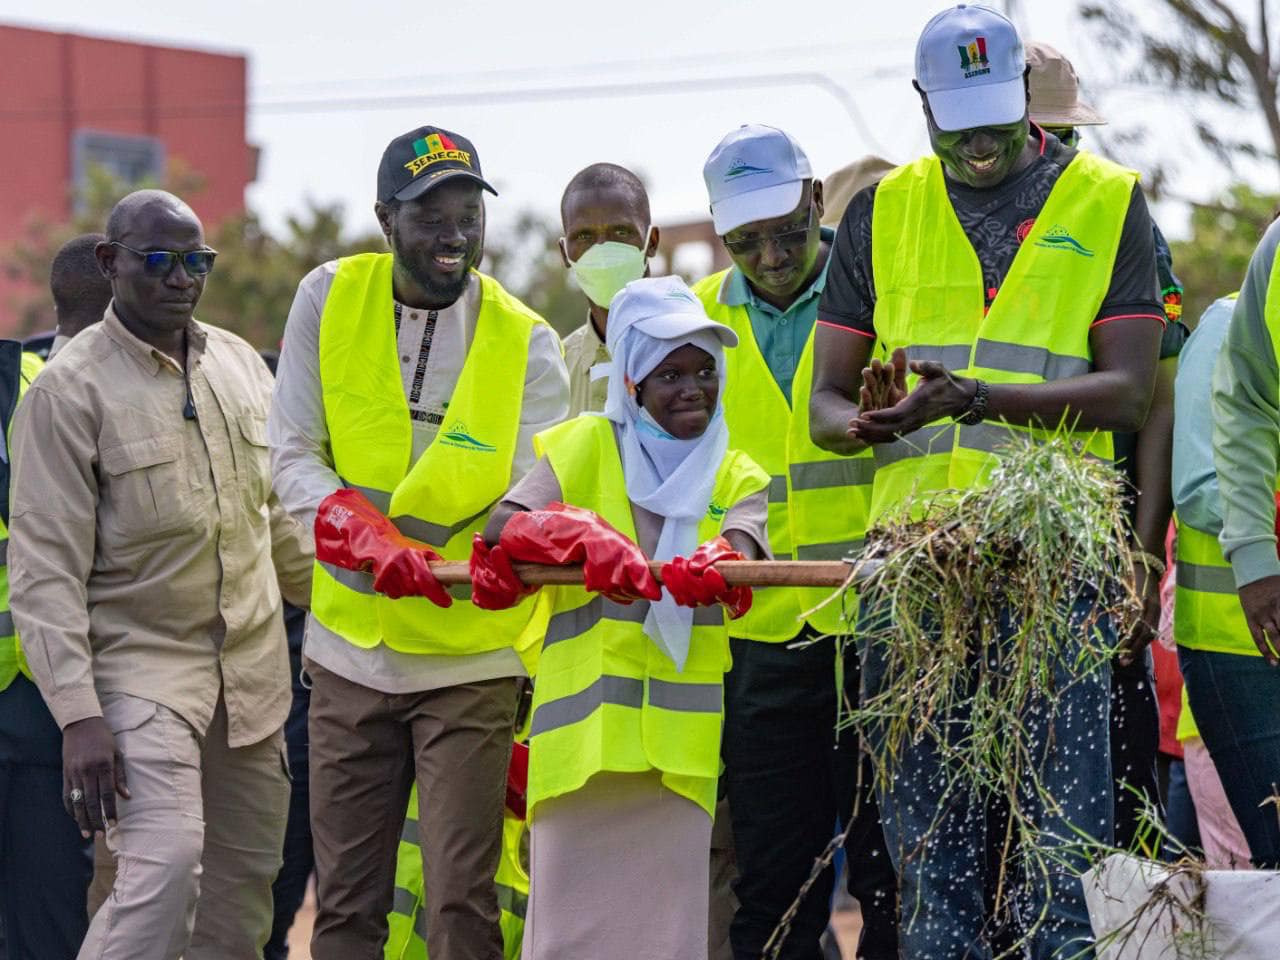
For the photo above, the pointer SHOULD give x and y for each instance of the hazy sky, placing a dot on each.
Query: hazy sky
(384, 63)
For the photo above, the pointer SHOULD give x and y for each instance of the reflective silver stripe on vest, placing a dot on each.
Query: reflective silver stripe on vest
(409, 832)
(836, 550)
(953, 356)
(777, 489)
(620, 691)
(379, 498)
(512, 900)
(404, 902)
(821, 474)
(918, 443)
(6, 623)
(574, 623)
(356, 580)
(987, 437)
(686, 697)
(4, 552)
(1020, 358)
(436, 534)
(1205, 579)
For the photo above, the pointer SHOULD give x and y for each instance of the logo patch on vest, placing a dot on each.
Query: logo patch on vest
(715, 511)
(1058, 238)
(457, 436)
(973, 58)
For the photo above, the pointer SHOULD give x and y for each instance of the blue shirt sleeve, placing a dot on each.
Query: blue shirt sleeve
(1195, 481)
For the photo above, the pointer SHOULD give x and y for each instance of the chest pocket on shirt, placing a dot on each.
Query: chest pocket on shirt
(252, 458)
(147, 487)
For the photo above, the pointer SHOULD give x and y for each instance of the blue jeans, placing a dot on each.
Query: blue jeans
(940, 838)
(1234, 698)
(45, 867)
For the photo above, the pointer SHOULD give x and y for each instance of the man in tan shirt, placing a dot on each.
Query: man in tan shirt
(143, 543)
(608, 240)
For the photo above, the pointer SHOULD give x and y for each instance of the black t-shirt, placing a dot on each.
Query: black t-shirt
(996, 221)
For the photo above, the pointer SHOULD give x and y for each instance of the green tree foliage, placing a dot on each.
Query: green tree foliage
(257, 271)
(1212, 261)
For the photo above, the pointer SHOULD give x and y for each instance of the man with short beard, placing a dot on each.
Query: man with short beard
(1007, 280)
(410, 387)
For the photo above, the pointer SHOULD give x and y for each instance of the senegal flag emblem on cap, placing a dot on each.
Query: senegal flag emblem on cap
(434, 148)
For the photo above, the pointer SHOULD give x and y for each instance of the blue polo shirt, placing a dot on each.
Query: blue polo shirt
(780, 334)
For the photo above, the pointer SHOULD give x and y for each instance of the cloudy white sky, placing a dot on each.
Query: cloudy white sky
(651, 85)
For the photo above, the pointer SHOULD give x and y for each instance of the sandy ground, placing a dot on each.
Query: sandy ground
(846, 922)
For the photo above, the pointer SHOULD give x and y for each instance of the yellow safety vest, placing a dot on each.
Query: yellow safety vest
(930, 302)
(407, 922)
(607, 697)
(446, 495)
(12, 660)
(1207, 608)
(817, 500)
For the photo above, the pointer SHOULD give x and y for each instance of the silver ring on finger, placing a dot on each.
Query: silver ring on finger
(76, 795)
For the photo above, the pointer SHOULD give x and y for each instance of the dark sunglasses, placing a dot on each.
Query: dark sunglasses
(160, 263)
(789, 239)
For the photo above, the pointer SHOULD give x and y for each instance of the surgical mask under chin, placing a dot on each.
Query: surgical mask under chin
(606, 268)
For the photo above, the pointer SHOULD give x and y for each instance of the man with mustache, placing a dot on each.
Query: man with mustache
(409, 390)
(1013, 281)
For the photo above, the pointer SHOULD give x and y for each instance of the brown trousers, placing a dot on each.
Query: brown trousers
(367, 748)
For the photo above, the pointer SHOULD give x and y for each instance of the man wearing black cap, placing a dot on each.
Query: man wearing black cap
(409, 390)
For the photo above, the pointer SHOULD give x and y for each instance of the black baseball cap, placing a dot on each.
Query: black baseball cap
(416, 161)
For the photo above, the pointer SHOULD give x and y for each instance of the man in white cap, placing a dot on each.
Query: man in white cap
(1005, 278)
(786, 786)
(1145, 460)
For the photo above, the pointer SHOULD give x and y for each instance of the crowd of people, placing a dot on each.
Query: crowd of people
(229, 662)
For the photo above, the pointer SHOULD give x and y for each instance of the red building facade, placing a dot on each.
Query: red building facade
(69, 102)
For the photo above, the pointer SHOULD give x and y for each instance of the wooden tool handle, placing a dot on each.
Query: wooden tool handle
(750, 573)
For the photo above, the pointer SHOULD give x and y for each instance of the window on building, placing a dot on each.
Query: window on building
(130, 159)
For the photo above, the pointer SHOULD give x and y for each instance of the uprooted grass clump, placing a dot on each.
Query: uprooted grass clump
(974, 599)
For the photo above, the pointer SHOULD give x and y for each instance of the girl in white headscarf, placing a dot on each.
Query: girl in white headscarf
(625, 743)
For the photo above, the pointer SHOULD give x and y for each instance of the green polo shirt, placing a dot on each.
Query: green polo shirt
(780, 334)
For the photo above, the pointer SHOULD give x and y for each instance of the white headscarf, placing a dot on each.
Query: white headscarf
(648, 319)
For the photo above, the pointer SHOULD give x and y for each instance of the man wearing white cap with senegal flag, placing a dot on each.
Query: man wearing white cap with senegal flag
(1010, 283)
(788, 776)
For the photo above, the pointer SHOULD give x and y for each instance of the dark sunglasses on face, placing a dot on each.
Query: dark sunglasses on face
(789, 239)
(160, 263)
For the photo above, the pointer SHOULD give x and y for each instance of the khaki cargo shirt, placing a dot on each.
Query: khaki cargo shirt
(144, 547)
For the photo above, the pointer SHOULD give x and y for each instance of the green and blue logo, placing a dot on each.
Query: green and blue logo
(1058, 238)
(740, 168)
(715, 511)
(457, 436)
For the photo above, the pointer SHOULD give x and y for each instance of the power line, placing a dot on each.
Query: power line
(569, 92)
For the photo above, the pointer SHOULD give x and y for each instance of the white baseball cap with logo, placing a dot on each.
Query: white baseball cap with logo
(970, 65)
(755, 173)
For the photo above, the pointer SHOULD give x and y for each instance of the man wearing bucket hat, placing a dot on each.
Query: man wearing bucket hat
(1145, 459)
(1004, 278)
(786, 784)
(409, 390)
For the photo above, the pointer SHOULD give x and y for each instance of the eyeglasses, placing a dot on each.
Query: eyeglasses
(788, 239)
(160, 263)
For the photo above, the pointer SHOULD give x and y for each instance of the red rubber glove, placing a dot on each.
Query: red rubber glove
(494, 585)
(695, 582)
(351, 533)
(518, 780)
(562, 535)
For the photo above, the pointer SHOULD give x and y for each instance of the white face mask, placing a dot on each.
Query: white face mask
(606, 268)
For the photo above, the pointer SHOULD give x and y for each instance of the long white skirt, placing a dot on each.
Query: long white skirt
(618, 869)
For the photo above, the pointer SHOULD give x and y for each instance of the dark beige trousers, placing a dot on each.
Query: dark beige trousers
(367, 748)
(197, 845)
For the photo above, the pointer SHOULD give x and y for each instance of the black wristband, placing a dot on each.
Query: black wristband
(976, 411)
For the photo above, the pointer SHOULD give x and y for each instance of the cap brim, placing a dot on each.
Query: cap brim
(763, 204)
(677, 325)
(419, 186)
(1077, 115)
(990, 105)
